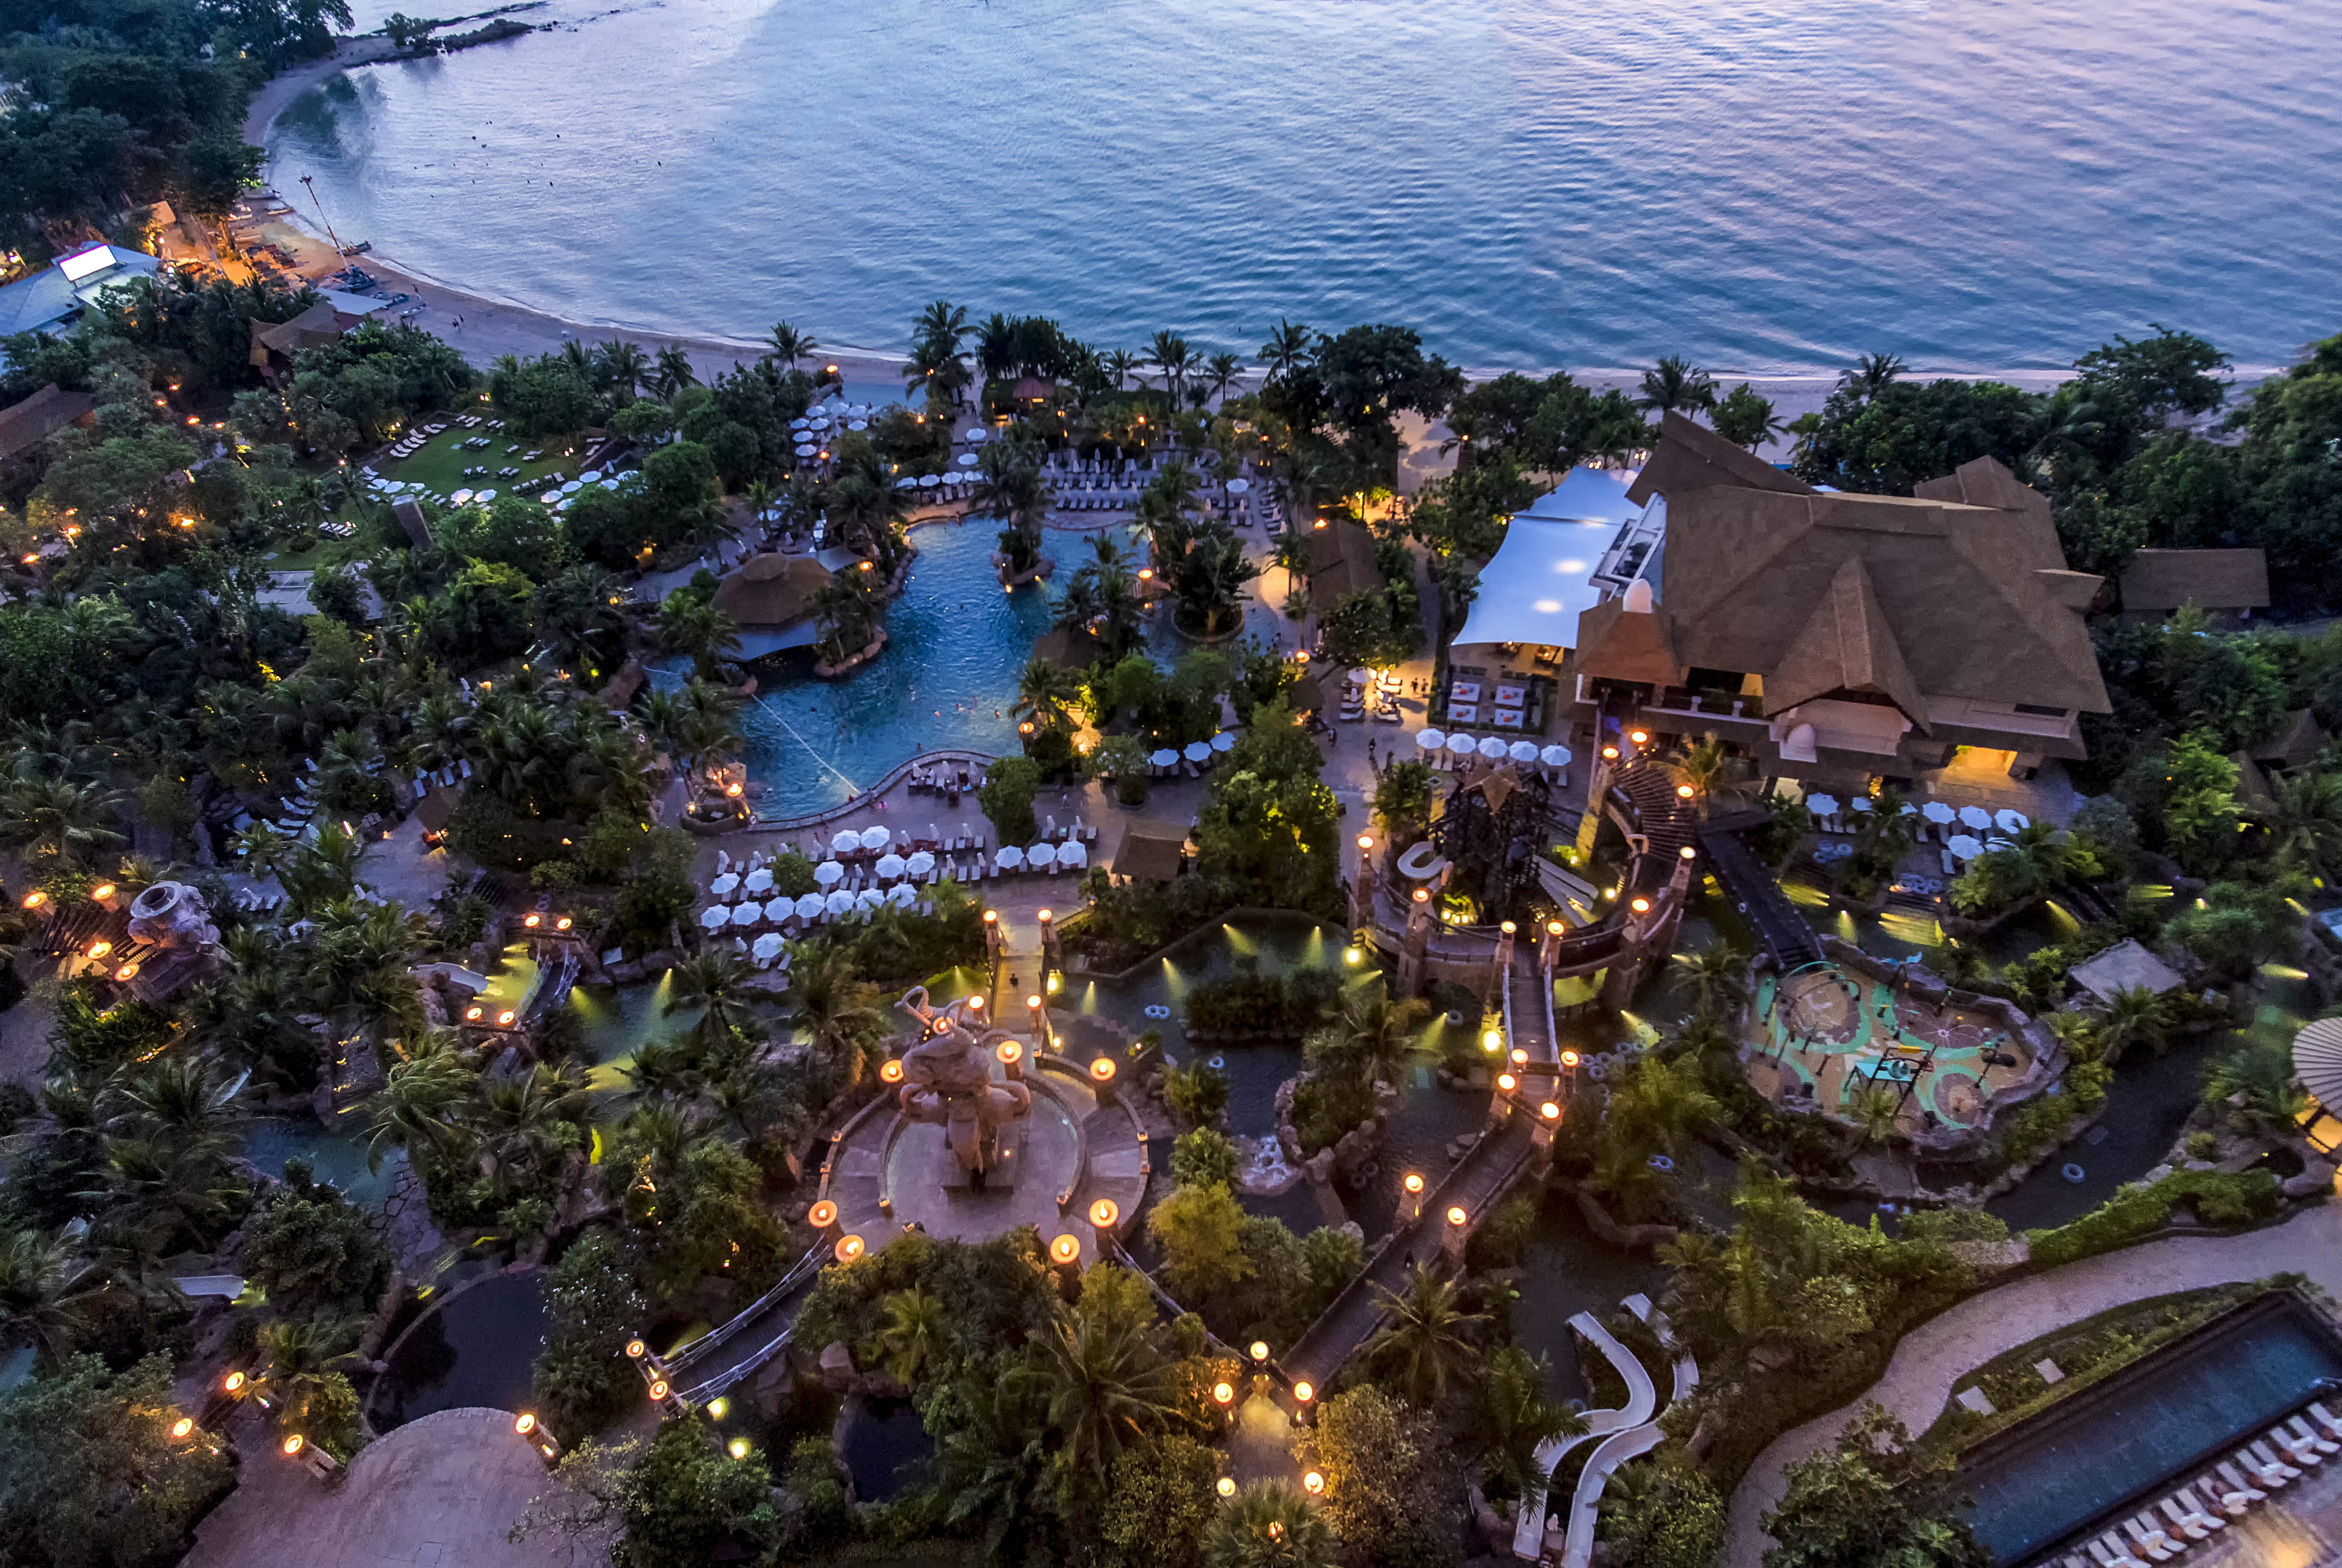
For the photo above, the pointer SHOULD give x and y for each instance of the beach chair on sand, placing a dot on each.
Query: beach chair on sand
(2189, 1519)
(2326, 1420)
(2264, 1466)
(2111, 1554)
(2234, 1491)
(2298, 1450)
(2150, 1539)
(2313, 1437)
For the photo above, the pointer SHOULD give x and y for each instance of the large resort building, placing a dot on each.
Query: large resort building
(1835, 637)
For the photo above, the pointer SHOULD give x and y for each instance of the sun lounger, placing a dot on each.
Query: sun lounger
(2191, 1521)
(2111, 1554)
(2231, 1490)
(2313, 1437)
(2300, 1451)
(2150, 1539)
(2265, 1466)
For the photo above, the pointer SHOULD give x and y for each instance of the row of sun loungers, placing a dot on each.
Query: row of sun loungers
(2193, 1512)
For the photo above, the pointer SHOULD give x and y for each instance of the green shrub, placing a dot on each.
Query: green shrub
(1197, 1092)
(2219, 1197)
(1264, 1006)
(1203, 1157)
(584, 1380)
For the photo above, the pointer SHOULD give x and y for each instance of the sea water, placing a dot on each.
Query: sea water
(1762, 184)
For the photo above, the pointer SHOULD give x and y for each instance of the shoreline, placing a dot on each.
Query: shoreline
(493, 325)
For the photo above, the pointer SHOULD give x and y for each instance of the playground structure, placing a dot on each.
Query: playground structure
(1834, 1037)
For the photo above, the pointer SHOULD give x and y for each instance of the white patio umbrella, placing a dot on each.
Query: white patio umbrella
(1361, 675)
(780, 908)
(839, 902)
(1491, 747)
(1164, 758)
(1430, 740)
(845, 841)
(1976, 816)
(889, 867)
(725, 886)
(804, 449)
(1041, 854)
(1223, 742)
(876, 837)
(1859, 803)
(1964, 846)
(1073, 854)
(1197, 751)
(760, 881)
(969, 459)
(974, 437)
(1463, 745)
(2012, 821)
(714, 916)
(1554, 756)
(572, 487)
(1821, 804)
(460, 498)
(907, 482)
(1237, 487)
(869, 898)
(902, 895)
(748, 914)
(1010, 857)
(929, 481)
(767, 947)
(828, 873)
(592, 476)
(484, 495)
(920, 864)
(1522, 750)
(808, 905)
(1936, 812)
(549, 497)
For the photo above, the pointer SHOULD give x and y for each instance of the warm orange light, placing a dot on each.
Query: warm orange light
(1314, 1482)
(1277, 1530)
(976, 1004)
(100, 948)
(1304, 1392)
(183, 1426)
(890, 1072)
(1520, 1057)
(505, 1018)
(471, 1014)
(991, 918)
(523, 1424)
(1102, 1070)
(658, 1390)
(1227, 1487)
(533, 921)
(1569, 1058)
(1009, 1051)
(1508, 1083)
(1641, 906)
(637, 1349)
(34, 899)
(849, 1248)
(233, 1382)
(564, 924)
(1555, 927)
(1456, 1216)
(128, 972)
(1104, 1212)
(1366, 840)
(1413, 1182)
(1259, 1350)
(1611, 752)
(1685, 791)
(294, 1444)
(821, 1216)
(733, 790)
(1033, 1000)
(1224, 1392)
(101, 891)
(1065, 1249)
(1507, 926)
(1422, 895)
(1549, 1110)
(1638, 736)
(1044, 917)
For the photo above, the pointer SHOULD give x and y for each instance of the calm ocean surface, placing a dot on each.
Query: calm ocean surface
(1769, 185)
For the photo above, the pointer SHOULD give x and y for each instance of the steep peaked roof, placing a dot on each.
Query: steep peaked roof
(25, 424)
(771, 590)
(312, 328)
(1341, 562)
(1985, 481)
(1846, 645)
(1623, 645)
(1690, 457)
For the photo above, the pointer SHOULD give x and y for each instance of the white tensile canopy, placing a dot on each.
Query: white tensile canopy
(1539, 581)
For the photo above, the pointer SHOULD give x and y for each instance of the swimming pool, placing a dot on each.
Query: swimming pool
(946, 678)
(2110, 1450)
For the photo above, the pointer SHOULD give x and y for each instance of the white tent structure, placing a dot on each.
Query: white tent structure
(1540, 579)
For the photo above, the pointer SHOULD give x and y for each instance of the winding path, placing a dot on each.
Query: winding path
(1919, 1378)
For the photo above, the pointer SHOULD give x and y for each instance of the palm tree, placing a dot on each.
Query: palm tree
(1268, 1527)
(1221, 371)
(2078, 1034)
(790, 345)
(1517, 1418)
(1745, 418)
(1209, 581)
(260, 848)
(1372, 1037)
(1707, 767)
(1677, 385)
(942, 323)
(1118, 363)
(2258, 1086)
(1717, 977)
(46, 1293)
(1107, 1388)
(994, 1461)
(299, 1356)
(847, 613)
(2304, 822)
(2135, 1014)
(622, 366)
(1047, 692)
(1171, 354)
(1657, 1105)
(915, 1332)
(415, 1110)
(995, 346)
(58, 821)
(1873, 374)
(1874, 1109)
(836, 1010)
(1421, 1341)
(672, 372)
(526, 1124)
(694, 626)
(719, 982)
(1290, 346)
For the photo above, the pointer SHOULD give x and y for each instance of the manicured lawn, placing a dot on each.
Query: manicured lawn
(439, 466)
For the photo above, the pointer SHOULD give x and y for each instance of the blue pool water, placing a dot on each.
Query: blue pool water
(336, 1153)
(2187, 1404)
(1762, 184)
(946, 678)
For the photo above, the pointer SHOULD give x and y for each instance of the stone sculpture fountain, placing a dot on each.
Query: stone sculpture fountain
(173, 916)
(949, 1082)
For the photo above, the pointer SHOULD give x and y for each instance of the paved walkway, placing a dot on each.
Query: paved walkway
(434, 1493)
(1919, 1379)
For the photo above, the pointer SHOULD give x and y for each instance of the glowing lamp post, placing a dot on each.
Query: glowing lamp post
(1104, 1215)
(1314, 1482)
(1224, 1393)
(849, 1249)
(891, 1071)
(821, 1216)
(1066, 1251)
(1036, 1015)
(1459, 1231)
(1260, 1348)
(1549, 1119)
(1411, 1204)
(1227, 1487)
(1102, 1079)
(183, 1428)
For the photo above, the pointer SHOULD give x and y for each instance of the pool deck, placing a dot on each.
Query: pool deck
(1919, 1378)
